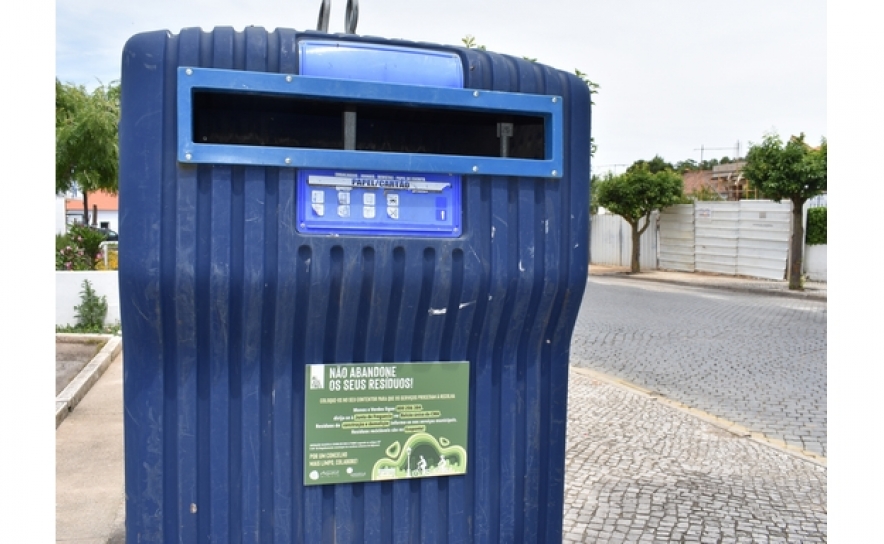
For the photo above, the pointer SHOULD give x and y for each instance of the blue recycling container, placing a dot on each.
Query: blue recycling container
(314, 225)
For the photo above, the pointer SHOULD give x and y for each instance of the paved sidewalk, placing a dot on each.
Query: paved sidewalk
(638, 470)
(89, 464)
(80, 360)
(642, 471)
(812, 289)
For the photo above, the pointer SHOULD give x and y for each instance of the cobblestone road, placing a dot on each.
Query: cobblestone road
(756, 360)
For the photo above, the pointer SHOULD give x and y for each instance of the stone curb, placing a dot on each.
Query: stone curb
(71, 395)
(721, 423)
(737, 288)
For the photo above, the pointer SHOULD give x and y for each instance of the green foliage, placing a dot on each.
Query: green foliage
(113, 328)
(89, 239)
(791, 171)
(655, 165)
(86, 135)
(636, 193)
(72, 257)
(470, 42)
(593, 194)
(79, 249)
(705, 194)
(817, 226)
(61, 240)
(690, 165)
(593, 87)
(92, 309)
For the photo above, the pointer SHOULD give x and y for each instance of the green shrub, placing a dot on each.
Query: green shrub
(70, 256)
(705, 194)
(79, 249)
(92, 309)
(89, 239)
(815, 235)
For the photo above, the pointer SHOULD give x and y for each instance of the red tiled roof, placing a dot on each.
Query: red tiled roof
(106, 202)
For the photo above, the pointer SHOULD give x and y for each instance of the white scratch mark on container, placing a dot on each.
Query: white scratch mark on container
(440, 311)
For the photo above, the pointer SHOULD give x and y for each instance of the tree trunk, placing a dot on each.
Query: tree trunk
(85, 209)
(796, 249)
(635, 267)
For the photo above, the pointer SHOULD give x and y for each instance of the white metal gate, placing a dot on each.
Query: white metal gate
(763, 247)
(716, 231)
(677, 238)
(745, 238)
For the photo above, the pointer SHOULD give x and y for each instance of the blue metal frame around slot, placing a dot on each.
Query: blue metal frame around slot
(545, 106)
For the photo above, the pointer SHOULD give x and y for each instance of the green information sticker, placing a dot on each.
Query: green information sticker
(385, 421)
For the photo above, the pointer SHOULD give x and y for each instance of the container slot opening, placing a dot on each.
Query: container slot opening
(291, 121)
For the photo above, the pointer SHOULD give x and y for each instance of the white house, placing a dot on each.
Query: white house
(107, 207)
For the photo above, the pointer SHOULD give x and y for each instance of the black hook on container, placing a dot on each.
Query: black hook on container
(352, 16)
(324, 12)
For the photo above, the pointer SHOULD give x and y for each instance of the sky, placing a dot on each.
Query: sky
(682, 79)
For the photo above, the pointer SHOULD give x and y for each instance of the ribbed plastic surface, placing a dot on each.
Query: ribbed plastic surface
(223, 303)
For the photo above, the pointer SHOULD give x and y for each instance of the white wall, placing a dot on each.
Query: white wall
(60, 220)
(611, 242)
(68, 286)
(111, 217)
(815, 262)
(746, 238)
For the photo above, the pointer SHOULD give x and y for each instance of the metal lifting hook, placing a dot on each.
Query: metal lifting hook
(324, 12)
(352, 16)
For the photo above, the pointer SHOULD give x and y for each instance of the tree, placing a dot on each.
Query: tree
(594, 182)
(86, 132)
(690, 165)
(792, 171)
(657, 164)
(635, 194)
